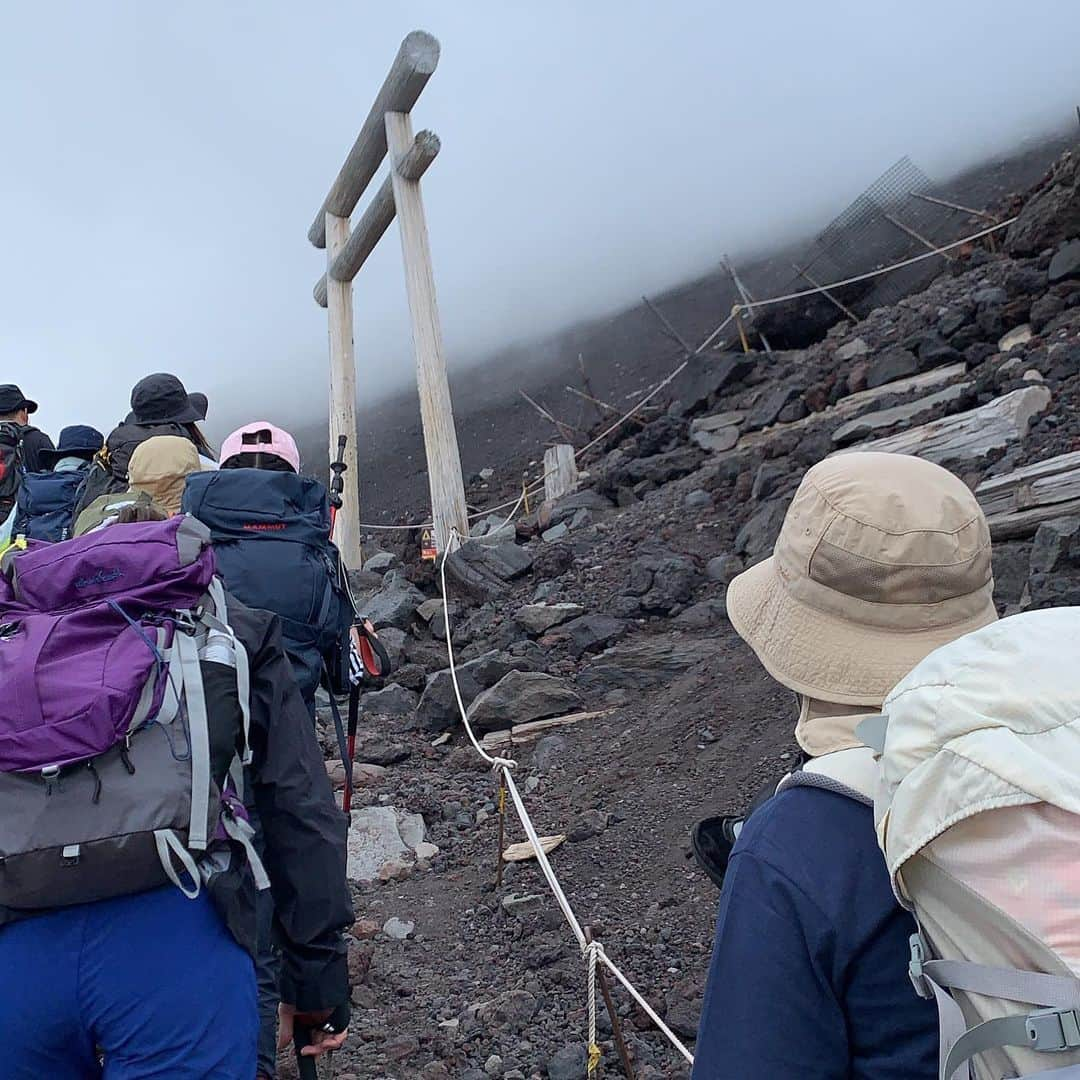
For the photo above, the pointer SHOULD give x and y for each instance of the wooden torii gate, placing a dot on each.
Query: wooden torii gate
(388, 129)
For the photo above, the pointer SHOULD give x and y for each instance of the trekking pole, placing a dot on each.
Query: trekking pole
(307, 1067)
(337, 481)
(350, 744)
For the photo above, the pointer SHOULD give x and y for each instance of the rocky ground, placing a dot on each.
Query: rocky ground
(610, 603)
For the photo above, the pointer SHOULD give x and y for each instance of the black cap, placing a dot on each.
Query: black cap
(12, 399)
(79, 440)
(162, 399)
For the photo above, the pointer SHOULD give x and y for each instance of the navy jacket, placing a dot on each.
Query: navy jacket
(809, 975)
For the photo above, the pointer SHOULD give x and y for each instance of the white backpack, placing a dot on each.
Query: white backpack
(978, 814)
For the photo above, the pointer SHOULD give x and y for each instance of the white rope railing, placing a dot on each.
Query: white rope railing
(592, 951)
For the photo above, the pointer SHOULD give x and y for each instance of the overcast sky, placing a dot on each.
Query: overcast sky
(162, 162)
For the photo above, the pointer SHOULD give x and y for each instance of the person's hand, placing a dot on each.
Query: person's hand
(322, 1042)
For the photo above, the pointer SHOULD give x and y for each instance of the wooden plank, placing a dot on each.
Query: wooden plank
(862, 427)
(917, 236)
(1003, 493)
(343, 393)
(1016, 503)
(666, 322)
(825, 292)
(855, 403)
(523, 733)
(954, 206)
(524, 850)
(377, 217)
(971, 434)
(449, 513)
(560, 471)
(414, 64)
(1024, 523)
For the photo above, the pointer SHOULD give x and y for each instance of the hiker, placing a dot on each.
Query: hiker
(979, 816)
(271, 534)
(160, 405)
(127, 917)
(270, 529)
(881, 559)
(156, 472)
(21, 445)
(46, 501)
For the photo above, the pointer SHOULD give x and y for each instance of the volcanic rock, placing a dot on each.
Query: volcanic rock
(521, 697)
(438, 710)
(590, 633)
(392, 700)
(891, 365)
(768, 410)
(724, 568)
(705, 376)
(394, 604)
(1066, 263)
(637, 665)
(376, 840)
(381, 561)
(1051, 215)
(853, 349)
(1057, 543)
(565, 508)
(759, 533)
(537, 619)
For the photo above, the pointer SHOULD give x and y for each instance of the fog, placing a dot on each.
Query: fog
(162, 163)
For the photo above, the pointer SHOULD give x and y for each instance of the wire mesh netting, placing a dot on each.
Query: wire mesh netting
(887, 223)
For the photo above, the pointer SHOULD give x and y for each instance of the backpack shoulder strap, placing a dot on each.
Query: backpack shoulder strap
(217, 621)
(852, 773)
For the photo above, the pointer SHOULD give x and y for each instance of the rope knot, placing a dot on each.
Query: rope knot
(502, 763)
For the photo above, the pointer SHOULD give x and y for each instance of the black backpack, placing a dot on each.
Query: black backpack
(12, 465)
(271, 537)
(108, 474)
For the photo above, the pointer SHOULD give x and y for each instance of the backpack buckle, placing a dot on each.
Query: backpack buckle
(915, 966)
(1053, 1030)
(50, 776)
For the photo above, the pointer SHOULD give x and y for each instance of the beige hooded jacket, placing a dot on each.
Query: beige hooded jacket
(160, 466)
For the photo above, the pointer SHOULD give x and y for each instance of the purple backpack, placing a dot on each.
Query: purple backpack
(107, 783)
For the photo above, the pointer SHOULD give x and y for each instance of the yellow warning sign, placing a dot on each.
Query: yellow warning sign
(427, 546)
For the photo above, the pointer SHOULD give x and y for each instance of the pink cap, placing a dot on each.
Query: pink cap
(252, 439)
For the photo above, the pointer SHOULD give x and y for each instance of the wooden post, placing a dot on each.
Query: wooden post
(897, 223)
(413, 66)
(449, 512)
(613, 1014)
(343, 392)
(377, 217)
(560, 471)
(744, 294)
(665, 321)
(825, 292)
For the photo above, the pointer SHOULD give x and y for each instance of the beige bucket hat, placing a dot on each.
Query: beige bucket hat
(881, 559)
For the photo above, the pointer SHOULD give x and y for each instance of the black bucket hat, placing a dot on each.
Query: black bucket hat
(12, 399)
(162, 399)
(79, 440)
